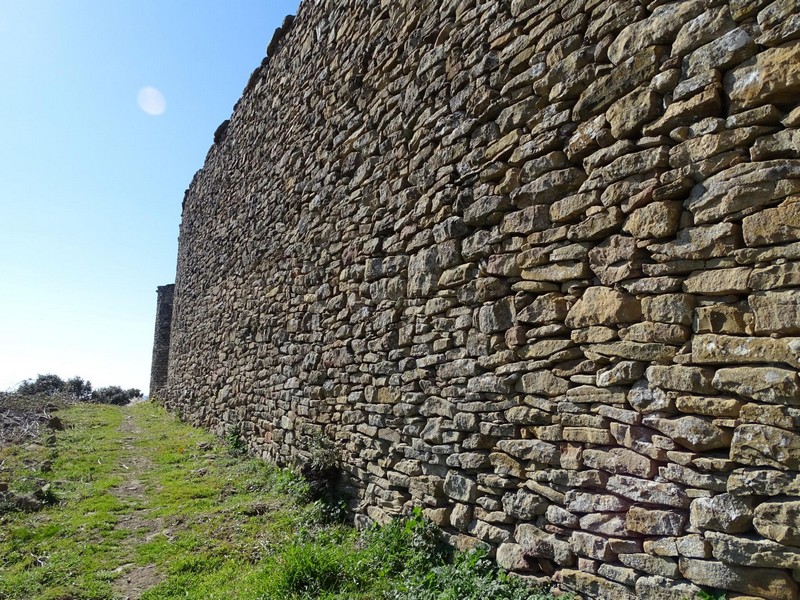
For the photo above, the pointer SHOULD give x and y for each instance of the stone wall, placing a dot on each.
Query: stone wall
(160, 364)
(531, 265)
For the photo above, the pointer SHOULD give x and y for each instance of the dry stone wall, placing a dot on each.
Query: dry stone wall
(531, 265)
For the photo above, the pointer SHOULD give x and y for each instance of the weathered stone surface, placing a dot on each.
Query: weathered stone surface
(628, 114)
(730, 514)
(654, 221)
(766, 583)
(625, 78)
(761, 445)
(776, 312)
(727, 50)
(726, 349)
(684, 379)
(595, 586)
(765, 384)
(648, 492)
(764, 79)
(535, 450)
(763, 482)
(661, 588)
(773, 225)
(741, 187)
(719, 282)
(692, 432)
(603, 306)
(655, 522)
(779, 521)
(460, 488)
(543, 383)
(659, 28)
(749, 552)
(512, 557)
(616, 259)
(701, 242)
(669, 308)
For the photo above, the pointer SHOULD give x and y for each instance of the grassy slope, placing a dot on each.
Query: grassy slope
(147, 503)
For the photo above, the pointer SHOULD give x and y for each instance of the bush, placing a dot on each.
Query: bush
(76, 389)
(114, 395)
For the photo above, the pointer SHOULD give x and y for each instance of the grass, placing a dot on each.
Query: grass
(138, 496)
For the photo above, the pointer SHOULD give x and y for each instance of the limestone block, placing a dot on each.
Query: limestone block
(497, 316)
(763, 482)
(695, 433)
(603, 306)
(594, 586)
(703, 29)
(541, 544)
(773, 226)
(765, 384)
(721, 318)
(528, 220)
(623, 372)
(726, 349)
(742, 187)
(661, 588)
(488, 210)
(728, 50)
(700, 243)
(627, 115)
(460, 488)
(652, 565)
(611, 524)
(597, 226)
(688, 112)
(535, 450)
(779, 521)
(738, 550)
(542, 383)
(685, 379)
(726, 513)
(776, 311)
(762, 445)
(512, 557)
(593, 546)
(625, 78)
(620, 460)
(616, 259)
(648, 492)
(646, 399)
(653, 221)
(524, 505)
(711, 406)
(719, 282)
(660, 27)
(765, 78)
(655, 522)
(767, 583)
(546, 308)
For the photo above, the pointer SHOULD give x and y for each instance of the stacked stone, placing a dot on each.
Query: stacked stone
(533, 266)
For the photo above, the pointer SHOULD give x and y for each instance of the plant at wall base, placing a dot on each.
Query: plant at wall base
(714, 595)
(235, 442)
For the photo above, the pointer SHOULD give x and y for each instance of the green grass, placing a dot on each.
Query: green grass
(136, 491)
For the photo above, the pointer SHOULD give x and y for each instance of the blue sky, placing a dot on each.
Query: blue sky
(91, 184)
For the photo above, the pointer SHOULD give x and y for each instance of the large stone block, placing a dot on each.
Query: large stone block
(779, 521)
(603, 306)
(765, 384)
(771, 77)
(766, 583)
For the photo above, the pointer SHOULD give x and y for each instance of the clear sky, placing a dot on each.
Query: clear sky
(108, 109)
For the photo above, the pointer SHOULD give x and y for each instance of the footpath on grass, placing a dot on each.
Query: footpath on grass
(129, 503)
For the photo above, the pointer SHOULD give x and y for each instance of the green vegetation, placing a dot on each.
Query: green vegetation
(75, 389)
(142, 504)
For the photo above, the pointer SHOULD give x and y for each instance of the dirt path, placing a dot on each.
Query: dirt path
(135, 580)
